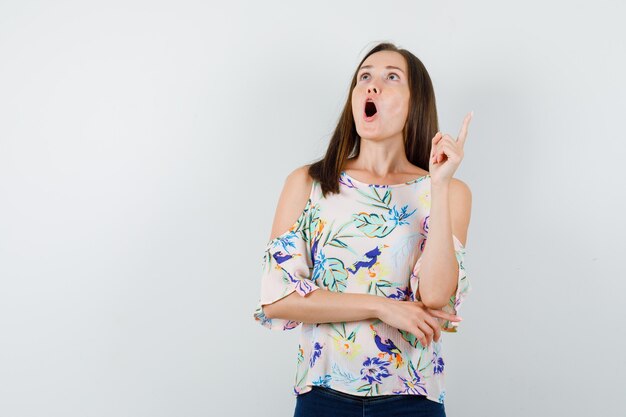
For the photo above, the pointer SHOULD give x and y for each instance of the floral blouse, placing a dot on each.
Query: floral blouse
(367, 239)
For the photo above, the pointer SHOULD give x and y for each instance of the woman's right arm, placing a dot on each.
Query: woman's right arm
(323, 306)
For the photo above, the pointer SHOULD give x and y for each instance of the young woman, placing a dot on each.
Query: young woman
(348, 256)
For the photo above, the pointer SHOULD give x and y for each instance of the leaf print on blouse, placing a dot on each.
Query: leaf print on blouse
(376, 197)
(442, 396)
(343, 376)
(376, 225)
(411, 339)
(322, 381)
(311, 223)
(415, 385)
(331, 272)
(335, 237)
(387, 347)
(373, 225)
(345, 344)
(300, 379)
(373, 371)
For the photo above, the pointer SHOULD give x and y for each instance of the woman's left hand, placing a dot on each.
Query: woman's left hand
(446, 154)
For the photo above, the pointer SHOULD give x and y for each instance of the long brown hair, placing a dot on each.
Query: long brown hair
(421, 125)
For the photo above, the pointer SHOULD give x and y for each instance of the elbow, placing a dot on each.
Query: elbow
(433, 302)
(436, 302)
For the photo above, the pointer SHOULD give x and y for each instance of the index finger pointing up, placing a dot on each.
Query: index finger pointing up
(463, 132)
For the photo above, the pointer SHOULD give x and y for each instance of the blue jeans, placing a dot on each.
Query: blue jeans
(322, 402)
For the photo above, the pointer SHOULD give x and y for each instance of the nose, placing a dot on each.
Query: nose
(372, 90)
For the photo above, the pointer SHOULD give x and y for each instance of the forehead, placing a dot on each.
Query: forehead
(383, 58)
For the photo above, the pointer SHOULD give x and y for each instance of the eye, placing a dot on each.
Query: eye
(390, 75)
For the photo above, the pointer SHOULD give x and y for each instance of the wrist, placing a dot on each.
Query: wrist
(378, 306)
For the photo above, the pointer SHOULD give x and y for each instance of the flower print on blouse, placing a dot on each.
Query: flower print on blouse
(366, 239)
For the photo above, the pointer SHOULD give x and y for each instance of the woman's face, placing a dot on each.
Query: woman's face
(388, 88)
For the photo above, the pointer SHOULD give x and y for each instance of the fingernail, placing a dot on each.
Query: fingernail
(472, 113)
(460, 318)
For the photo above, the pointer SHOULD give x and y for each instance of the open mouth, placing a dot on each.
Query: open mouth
(370, 109)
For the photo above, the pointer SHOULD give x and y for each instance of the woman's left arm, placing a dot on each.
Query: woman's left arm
(451, 201)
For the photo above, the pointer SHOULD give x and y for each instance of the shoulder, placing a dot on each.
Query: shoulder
(299, 179)
(460, 191)
(292, 201)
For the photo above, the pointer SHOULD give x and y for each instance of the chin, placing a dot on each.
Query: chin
(368, 130)
(370, 136)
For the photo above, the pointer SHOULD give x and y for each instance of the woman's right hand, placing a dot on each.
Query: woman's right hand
(415, 318)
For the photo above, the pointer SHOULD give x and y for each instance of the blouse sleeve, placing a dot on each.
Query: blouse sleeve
(463, 286)
(286, 267)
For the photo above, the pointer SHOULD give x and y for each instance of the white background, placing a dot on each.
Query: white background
(143, 146)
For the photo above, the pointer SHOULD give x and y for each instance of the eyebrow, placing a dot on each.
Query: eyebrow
(388, 67)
